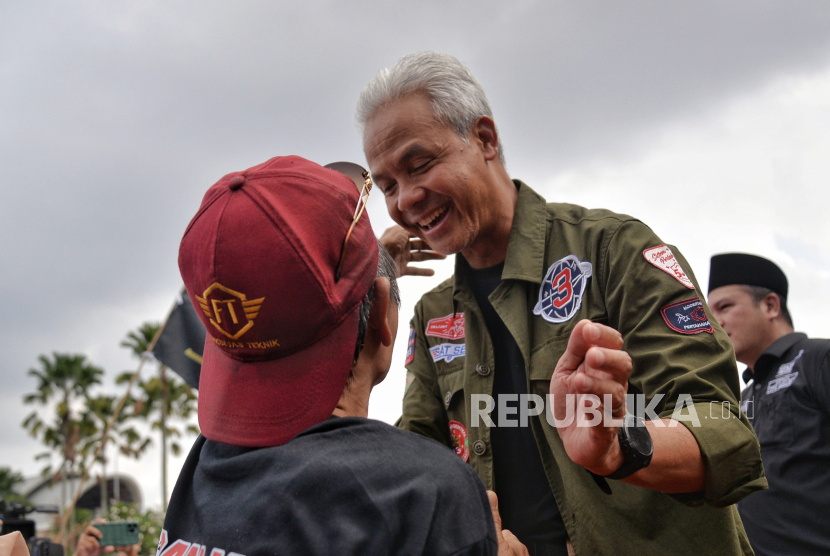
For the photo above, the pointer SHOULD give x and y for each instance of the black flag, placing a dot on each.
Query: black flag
(182, 341)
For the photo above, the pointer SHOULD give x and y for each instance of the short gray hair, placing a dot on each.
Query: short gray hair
(386, 269)
(457, 97)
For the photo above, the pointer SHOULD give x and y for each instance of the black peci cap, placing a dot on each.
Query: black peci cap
(727, 269)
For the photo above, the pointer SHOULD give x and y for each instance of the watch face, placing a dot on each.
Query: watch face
(640, 439)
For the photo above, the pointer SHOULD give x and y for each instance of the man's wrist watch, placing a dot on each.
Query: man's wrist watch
(635, 445)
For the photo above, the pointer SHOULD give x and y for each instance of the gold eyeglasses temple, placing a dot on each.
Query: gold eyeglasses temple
(358, 211)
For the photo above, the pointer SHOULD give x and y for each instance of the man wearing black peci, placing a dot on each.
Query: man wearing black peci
(787, 400)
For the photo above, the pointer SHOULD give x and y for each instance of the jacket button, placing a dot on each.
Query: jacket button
(447, 398)
(479, 447)
(482, 369)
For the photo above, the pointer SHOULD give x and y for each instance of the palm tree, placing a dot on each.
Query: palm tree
(161, 398)
(64, 380)
(126, 439)
(8, 480)
(138, 340)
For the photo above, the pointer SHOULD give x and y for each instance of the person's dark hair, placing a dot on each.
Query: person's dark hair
(386, 269)
(758, 293)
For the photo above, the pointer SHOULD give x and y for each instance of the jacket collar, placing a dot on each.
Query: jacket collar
(773, 353)
(526, 249)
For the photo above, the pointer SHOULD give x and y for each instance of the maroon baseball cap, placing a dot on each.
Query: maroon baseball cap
(258, 261)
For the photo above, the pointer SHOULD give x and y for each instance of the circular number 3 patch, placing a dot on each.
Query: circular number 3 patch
(562, 289)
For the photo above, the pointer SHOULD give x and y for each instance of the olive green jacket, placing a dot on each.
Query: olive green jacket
(627, 292)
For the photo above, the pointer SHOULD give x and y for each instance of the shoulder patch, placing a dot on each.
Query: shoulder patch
(459, 440)
(450, 327)
(687, 317)
(562, 289)
(662, 257)
(410, 346)
(410, 378)
(447, 352)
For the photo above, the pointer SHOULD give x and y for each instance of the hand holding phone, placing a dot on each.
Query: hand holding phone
(118, 533)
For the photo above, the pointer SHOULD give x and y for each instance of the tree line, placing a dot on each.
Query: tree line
(72, 409)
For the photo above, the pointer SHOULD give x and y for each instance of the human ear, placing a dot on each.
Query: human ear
(485, 133)
(772, 305)
(379, 325)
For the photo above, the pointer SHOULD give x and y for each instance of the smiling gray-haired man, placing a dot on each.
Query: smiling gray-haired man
(554, 299)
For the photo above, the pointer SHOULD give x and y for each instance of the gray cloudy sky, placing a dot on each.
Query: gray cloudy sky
(709, 120)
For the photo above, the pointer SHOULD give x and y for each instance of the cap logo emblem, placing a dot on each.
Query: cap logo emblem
(229, 311)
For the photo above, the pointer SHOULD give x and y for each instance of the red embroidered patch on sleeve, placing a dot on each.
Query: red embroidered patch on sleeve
(662, 257)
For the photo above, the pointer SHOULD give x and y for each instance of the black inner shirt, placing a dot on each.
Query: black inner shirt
(526, 502)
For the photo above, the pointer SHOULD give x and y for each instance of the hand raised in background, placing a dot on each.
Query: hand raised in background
(406, 249)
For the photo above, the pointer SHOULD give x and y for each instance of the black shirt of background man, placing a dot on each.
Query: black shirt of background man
(347, 486)
(788, 404)
(526, 502)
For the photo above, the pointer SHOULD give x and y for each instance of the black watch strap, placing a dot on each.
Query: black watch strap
(628, 468)
(636, 454)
